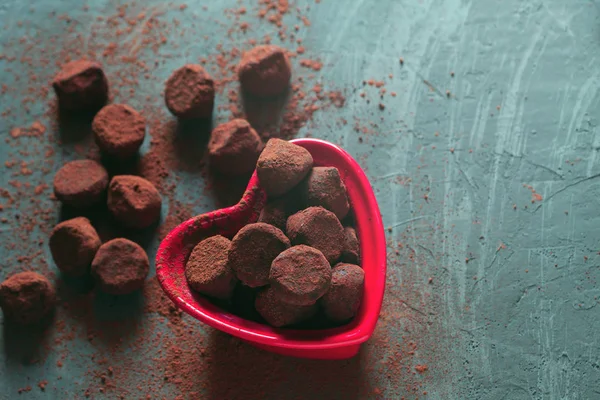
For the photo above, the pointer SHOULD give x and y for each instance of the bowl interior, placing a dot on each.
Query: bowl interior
(176, 247)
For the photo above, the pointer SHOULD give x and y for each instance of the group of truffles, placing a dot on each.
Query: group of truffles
(120, 266)
(298, 258)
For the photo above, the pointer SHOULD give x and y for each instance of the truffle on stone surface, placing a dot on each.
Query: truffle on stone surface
(27, 297)
(119, 130)
(234, 148)
(80, 183)
(134, 201)
(73, 244)
(190, 92)
(265, 71)
(81, 86)
(120, 266)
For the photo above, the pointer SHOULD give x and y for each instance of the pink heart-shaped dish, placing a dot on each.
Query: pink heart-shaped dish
(334, 343)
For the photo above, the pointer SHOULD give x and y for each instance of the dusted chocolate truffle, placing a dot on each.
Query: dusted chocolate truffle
(73, 244)
(343, 299)
(81, 85)
(300, 275)
(207, 270)
(318, 228)
(276, 211)
(281, 166)
(119, 130)
(120, 266)
(190, 92)
(234, 148)
(351, 251)
(325, 188)
(279, 314)
(265, 71)
(134, 201)
(253, 250)
(27, 297)
(80, 183)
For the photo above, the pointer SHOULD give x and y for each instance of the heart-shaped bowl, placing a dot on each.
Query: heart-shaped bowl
(333, 343)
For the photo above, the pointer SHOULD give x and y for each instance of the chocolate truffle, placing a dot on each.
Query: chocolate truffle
(253, 250)
(281, 166)
(119, 130)
(265, 71)
(343, 299)
(190, 92)
(234, 148)
(318, 228)
(351, 251)
(279, 314)
(207, 270)
(120, 266)
(277, 210)
(300, 275)
(134, 201)
(81, 86)
(325, 188)
(81, 183)
(27, 297)
(73, 244)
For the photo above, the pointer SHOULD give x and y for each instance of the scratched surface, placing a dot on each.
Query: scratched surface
(492, 192)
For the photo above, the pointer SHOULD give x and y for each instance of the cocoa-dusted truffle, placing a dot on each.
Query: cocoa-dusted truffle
(265, 71)
(234, 148)
(318, 228)
(134, 201)
(81, 86)
(343, 299)
(300, 275)
(207, 270)
(190, 92)
(120, 266)
(277, 210)
(119, 130)
(282, 165)
(27, 297)
(73, 244)
(351, 251)
(253, 250)
(279, 314)
(324, 187)
(80, 183)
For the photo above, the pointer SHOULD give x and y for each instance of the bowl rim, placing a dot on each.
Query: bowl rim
(356, 331)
